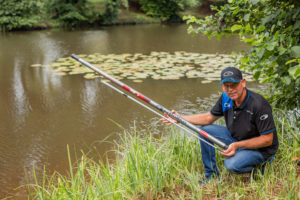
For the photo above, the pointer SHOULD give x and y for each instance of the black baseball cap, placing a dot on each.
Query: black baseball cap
(231, 74)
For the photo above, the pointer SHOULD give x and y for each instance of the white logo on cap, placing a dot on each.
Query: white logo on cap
(226, 105)
(263, 117)
(229, 73)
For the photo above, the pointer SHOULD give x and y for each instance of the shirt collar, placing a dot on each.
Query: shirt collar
(244, 103)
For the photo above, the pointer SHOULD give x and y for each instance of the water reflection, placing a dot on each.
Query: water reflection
(91, 99)
(96, 41)
(50, 48)
(21, 104)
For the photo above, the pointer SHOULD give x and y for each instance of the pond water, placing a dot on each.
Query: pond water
(41, 113)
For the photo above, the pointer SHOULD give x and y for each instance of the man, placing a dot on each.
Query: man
(250, 131)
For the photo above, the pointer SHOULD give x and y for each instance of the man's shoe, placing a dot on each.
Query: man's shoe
(204, 181)
(208, 178)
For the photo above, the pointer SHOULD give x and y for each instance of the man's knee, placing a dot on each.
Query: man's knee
(231, 165)
(212, 128)
(207, 127)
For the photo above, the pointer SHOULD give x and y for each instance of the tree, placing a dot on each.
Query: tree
(272, 28)
(77, 12)
(69, 12)
(166, 9)
(16, 15)
(111, 11)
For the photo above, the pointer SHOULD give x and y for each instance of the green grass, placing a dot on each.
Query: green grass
(169, 167)
(129, 17)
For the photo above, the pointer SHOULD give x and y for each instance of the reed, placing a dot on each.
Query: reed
(169, 167)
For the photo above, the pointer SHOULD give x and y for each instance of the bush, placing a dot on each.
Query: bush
(71, 12)
(111, 12)
(166, 9)
(16, 15)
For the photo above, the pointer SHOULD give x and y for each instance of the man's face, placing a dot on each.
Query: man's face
(234, 90)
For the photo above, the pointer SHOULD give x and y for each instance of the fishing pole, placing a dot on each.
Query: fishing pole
(154, 104)
(157, 113)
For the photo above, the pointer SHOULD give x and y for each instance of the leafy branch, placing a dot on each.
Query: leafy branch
(272, 28)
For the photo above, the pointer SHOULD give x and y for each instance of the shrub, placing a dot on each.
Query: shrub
(166, 9)
(111, 12)
(71, 12)
(16, 15)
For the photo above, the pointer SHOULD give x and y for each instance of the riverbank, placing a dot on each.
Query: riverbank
(130, 17)
(169, 167)
(133, 16)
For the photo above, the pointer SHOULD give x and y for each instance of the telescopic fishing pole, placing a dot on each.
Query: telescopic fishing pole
(153, 104)
(147, 107)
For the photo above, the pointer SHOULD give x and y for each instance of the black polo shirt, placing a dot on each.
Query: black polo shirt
(251, 119)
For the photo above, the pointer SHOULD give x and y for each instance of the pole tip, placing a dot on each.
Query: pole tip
(74, 56)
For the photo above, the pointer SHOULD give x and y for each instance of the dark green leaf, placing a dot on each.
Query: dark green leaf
(286, 80)
(260, 29)
(256, 75)
(266, 19)
(236, 27)
(282, 50)
(295, 51)
(254, 1)
(291, 61)
(271, 46)
(295, 71)
(246, 17)
(297, 24)
(248, 28)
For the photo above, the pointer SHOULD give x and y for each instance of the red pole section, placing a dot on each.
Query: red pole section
(153, 104)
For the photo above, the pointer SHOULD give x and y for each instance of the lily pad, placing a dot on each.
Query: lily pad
(206, 81)
(36, 65)
(61, 73)
(138, 81)
(90, 76)
(156, 65)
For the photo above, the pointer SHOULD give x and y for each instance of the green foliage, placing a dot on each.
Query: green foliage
(71, 12)
(125, 3)
(111, 12)
(272, 28)
(166, 9)
(16, 15)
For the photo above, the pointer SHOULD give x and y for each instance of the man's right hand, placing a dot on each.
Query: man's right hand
(170, 119)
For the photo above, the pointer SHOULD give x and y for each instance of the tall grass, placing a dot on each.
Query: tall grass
(169, 167)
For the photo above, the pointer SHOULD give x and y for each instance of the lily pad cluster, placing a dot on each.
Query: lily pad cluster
(156, 65)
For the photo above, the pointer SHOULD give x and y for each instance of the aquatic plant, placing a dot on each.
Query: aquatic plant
(156, 65)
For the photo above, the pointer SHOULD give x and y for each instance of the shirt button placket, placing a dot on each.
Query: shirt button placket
(234, 114)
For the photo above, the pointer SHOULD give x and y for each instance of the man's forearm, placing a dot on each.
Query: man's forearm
(200, 119)
(257, 142)
(253, 143)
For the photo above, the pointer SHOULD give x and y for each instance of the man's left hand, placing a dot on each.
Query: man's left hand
(230, 151)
